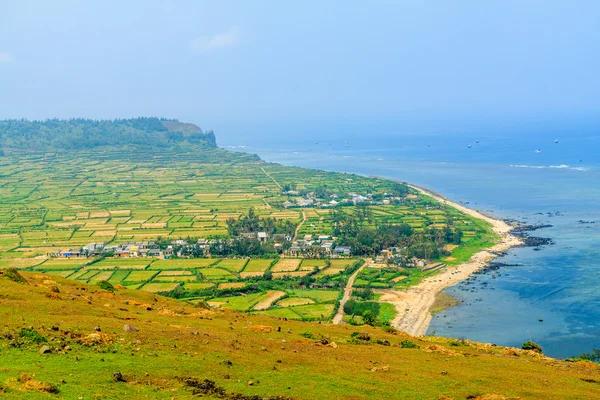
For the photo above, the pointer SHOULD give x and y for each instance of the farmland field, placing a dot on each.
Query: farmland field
(52, 202)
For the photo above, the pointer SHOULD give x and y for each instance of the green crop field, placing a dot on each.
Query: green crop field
(52, 202)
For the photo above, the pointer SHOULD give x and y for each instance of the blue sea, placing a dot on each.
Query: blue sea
(551, 296)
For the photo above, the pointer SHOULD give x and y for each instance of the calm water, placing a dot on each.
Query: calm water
(503, 176)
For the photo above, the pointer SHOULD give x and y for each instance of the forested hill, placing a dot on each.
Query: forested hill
(73, 134)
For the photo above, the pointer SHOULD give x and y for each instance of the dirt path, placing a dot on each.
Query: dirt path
(347, 293)
(273, 179)
(299, 226)
(413, 305)
(266, 303)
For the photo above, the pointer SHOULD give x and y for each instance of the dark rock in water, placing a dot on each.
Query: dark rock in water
(522, 232)
(130, 328)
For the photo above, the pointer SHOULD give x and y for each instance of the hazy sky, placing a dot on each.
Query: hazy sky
(221, 60)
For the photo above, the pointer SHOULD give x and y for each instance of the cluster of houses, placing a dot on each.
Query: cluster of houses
(322, 246)
(311, 200)
(130, 249)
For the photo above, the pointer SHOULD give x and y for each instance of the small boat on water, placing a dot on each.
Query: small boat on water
(477, 141)
(469, 146)
(556, 141)
(538, 151)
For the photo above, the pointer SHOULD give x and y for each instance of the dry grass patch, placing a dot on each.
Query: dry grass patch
(104, 233)
(279, 275)
(273, 296)
(175, 273)
(100, 214)
(286, 264)
(159, 287)
(154, 225)
(232, 285)
(120, 213)
(19, 263)
(294, 301)
(251, 274)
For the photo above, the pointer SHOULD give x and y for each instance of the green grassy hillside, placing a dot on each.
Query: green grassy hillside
(169, 348)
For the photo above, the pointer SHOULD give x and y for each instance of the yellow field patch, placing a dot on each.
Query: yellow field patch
(251, 274)
(159, 287)
(64, 224)
(206, 217)
(285, 215)
(291, 273)
(106, 267)
(153, 225)
(82, 214)
(120, 213)
(44, 250)
(286, 265)
(232, 285)
(104, 233)
(150, 235)
(175, 273)
(207, 195)
(330, 271)
(21, 262)
(272, 297)
(100, 214)
(294, 301)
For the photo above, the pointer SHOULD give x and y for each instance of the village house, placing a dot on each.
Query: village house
(262, 236)
(154, 253)
(281, 237)
(93, 249)
(294, 251)
(342, 251)
(70, 253)
(203, 244)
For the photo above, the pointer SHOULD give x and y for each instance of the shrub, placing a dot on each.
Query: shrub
(593, 357)
(32, 336)
(408, 344)
(368, 317)
(532, 346)
(14, 275)
(106, 285)
(365, 294)
(307, 335)
(353, 307)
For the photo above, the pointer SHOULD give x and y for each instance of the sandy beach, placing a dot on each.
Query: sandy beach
(413, 305)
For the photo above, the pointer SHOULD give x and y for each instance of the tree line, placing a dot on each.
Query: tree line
(75, 134)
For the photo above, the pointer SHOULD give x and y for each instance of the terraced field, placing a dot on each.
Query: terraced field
(56, 201)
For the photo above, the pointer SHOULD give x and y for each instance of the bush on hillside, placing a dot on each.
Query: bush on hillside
(532, 346)
(14, 275)
(408, 344)
(106, 285)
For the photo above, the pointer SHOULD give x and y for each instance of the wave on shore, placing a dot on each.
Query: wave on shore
(562, 166)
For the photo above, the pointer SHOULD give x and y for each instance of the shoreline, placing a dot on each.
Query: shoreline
(413, 306)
